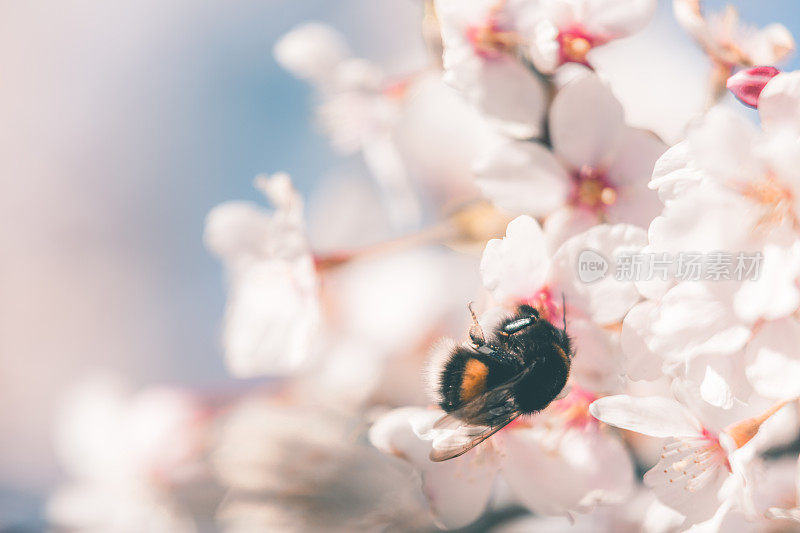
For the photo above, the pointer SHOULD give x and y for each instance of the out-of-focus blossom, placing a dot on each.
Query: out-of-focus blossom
(781, 497)
(312, 51)
(360, 107)
(571, 466)
(273, 307)
(128, 455)
(730, 42)
(290, 467)
(481, 42)
(706, 467)
(779, 108)
(598, 168)
(566, 31)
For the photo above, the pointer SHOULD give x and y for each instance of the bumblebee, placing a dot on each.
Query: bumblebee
(487, 383)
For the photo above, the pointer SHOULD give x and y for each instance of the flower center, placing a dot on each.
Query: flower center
(771, 194)
(592, 190)
(574, 44)
(573, 410)
(490, 41)
(696, 460)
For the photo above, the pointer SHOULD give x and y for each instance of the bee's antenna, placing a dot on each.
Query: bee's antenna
(564, 311)
(476, 332)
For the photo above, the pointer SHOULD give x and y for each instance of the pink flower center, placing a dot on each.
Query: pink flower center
(574, 43)
(592, 190)
(775, 197)
(574, 409)
(548, 308)
(490, 41)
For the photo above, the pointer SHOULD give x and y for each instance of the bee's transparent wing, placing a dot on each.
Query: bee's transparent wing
(477, 420)
(467, 436)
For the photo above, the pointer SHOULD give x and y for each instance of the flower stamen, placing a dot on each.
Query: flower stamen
(592, 190)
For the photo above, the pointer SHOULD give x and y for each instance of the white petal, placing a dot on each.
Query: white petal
(584, 469)
(654, 416)
(598, 362)
(619, 18)
(721, 144)
(517, 265)
(311, 50)
(522, 178)
(774, 294)
(544, 48)
(671, 173)
(630, 173)
(774, 370)
(586, 122)
(779, 103)
(641, 362)
(707, 217)
(457, 490)
(565, 223)
(604, 298)
(716, 390)
(237, 232)
(692, 319)
(769, 46)
(271, 319)
(505, 91)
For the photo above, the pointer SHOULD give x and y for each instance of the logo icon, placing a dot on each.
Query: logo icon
(592, 266)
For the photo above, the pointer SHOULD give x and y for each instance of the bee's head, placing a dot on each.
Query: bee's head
(525, 317)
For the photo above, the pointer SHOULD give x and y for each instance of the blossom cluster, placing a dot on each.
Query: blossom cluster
(504, 171)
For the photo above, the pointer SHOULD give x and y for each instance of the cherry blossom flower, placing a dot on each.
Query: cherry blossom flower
(566, 31)
(359, 109)
(706, 467)
(273, 308)
(481, 40)
(598, 168)
(728, 41)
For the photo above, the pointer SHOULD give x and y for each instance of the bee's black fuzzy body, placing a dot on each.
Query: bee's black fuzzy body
(524, 349)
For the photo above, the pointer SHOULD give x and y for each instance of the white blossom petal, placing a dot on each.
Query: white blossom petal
(605, 299)
(522, 178)
(654, 416)
(586, 122)
(516, 266)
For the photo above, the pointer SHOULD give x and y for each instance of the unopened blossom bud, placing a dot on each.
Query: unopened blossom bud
(746, 85)
(742, 432)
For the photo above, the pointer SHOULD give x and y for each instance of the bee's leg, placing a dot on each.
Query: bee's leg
(476, 331)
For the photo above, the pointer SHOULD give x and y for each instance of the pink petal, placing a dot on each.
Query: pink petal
(746, 85)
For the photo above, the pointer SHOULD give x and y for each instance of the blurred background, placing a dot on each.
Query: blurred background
(121, 125)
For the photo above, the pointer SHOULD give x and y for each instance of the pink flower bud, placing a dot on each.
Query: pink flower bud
(746, 85)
